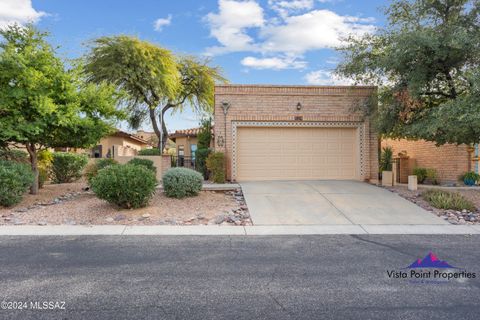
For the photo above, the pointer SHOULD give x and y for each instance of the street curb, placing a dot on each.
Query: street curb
(214, 230)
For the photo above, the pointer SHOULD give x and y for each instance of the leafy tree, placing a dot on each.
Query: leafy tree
(155, 80)
(426, 62)
(44, 105)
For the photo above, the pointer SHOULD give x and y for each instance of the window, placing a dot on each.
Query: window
(193, 149)
(181, 151)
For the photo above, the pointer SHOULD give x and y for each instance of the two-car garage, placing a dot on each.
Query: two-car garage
(296, 153)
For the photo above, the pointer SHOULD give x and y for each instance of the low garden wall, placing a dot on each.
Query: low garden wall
(162, 163)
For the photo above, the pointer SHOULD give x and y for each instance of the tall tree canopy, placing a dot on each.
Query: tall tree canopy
(42, 104)
(154, 78)
(426, 64)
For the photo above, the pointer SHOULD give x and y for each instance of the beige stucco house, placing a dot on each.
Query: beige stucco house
(119, 143)
(186, 141)
(148, 136)
(295, 132)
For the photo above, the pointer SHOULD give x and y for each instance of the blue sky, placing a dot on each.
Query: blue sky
(253, 41)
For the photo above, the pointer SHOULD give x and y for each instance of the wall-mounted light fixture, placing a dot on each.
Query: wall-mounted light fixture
(225, 107)
(299, 106)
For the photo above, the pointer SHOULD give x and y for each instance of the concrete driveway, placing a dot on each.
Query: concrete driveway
(329, 202)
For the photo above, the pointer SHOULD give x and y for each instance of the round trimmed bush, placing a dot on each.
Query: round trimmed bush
(92, 168)
(15, 179)
(182, 182)
(127, 186)
(143, 162)
(67, 167)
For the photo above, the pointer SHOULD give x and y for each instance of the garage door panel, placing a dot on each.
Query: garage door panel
(266, 153)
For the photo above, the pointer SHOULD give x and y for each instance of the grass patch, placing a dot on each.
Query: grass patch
(442, 199)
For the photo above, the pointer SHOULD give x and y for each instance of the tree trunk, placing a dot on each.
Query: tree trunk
(164, 126)
(34, 164)
(153, 119)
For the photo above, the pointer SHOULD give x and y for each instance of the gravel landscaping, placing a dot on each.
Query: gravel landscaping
(452, 216)
(72, 204)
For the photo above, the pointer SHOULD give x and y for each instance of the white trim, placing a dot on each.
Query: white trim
(362, 144)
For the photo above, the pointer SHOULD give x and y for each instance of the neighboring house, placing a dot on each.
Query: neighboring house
(118, 144)
(449, 160)
(295, 132)
(185, 141)
(148, 136)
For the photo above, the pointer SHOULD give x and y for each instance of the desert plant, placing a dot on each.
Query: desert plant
(181, 182)
(92, 168)
(14, 155)
(386, 159)
(448, 200)
(200, 161)
(432, 175)
(421, 174)
(67, 167)
(470, 178)
(150, 152)
(44, 159)
(216, 164)
(15, 179)
(143, 162)
(127, 186)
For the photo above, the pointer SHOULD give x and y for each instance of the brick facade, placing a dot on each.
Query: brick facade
(449, 160)
(332, 106)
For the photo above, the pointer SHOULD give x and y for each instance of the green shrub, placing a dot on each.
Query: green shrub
(216, 165)
(127, 186)
(143, 162)
(67, 167)
(448, 200)
(470, 178)
(14, 155)
(181, 182)
(200, 161)
(15, 179)
(386, 159)
(42, 175)
(92, 169)
(421, 174)
(432, 176)
(44, 162)
(150, 152)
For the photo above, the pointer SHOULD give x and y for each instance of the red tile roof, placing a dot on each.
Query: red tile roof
(192, 132)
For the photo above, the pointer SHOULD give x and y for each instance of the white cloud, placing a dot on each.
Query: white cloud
(317, 29)
(276, 63)
(229, 26)
(325, 77)
(18, 11)
(162, 22)
(285, 7)
(240, 26)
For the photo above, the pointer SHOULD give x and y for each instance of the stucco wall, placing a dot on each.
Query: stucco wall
(162, 163)
(277, 104)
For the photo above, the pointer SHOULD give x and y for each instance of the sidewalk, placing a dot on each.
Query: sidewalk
(206, 230)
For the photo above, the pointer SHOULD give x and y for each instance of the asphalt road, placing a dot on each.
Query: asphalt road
(281, 277)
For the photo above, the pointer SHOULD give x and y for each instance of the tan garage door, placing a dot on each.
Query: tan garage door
(296, 153)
